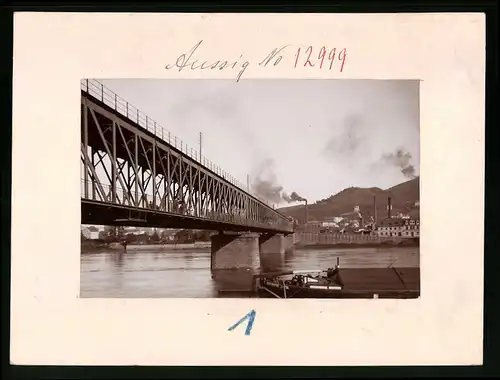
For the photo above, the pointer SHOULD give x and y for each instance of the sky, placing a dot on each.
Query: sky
(312, 137)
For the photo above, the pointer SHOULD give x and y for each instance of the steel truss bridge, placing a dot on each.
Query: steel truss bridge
(134, 173)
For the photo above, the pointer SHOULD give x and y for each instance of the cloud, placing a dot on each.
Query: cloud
(351, 138)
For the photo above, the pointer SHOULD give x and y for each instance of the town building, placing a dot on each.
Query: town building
(313, 226)
(133, 231)
(398, 227)
(90, 232)
(354, 216)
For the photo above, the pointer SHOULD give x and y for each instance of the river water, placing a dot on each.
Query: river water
(182, 274)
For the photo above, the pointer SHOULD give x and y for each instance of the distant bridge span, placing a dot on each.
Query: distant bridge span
(135, 173)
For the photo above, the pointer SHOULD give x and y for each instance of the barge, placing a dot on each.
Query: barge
(341, 283)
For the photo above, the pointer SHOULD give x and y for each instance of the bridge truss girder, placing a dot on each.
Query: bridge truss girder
(125, 165)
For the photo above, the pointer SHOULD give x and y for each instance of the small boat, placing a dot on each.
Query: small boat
(300, 284)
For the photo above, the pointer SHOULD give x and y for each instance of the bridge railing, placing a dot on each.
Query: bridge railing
(101, 192)
(102, 93)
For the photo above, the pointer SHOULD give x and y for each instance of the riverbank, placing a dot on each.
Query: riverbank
(91, 247)
(367, 244)
(95, 246)
(201, 246)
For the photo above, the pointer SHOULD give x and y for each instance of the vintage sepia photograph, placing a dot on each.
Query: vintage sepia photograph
(276, 188)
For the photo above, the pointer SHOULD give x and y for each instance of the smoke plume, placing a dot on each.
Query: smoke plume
(294, 197)
(265, 182)
(266, 186)
(267, 190)
(401, 160)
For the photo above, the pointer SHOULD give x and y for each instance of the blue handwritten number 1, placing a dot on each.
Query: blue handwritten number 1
(250, 316)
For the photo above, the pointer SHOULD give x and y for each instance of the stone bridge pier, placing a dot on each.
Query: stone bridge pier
(276, 243)
(236, 258)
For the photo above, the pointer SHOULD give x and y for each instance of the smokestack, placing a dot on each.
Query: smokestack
(374, 210)
(248, 183)
(389, 206)
(307, 212)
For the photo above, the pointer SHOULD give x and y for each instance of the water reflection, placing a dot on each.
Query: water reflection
(187, 274)
(272, 262)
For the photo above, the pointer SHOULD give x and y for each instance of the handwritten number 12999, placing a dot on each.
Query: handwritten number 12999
(307, 58)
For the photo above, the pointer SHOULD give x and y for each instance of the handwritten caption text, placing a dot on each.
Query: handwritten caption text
(323, 58)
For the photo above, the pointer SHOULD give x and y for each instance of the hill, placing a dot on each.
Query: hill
(403, 196)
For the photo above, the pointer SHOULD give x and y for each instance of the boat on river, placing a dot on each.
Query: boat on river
(299, 284)
(341, 283)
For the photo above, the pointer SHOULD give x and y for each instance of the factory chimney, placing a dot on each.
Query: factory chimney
(307, 211)
(389, 207)
(374, 210)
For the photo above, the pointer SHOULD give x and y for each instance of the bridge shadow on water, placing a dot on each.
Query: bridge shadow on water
(240, 283)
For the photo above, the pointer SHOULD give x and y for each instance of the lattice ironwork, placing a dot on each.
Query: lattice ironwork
(129, 161)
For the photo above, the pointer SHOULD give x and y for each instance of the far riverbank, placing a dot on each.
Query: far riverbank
(93, 246)
(365, 244)
(90, 247)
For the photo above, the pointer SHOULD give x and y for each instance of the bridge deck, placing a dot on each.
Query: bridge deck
(139, 174)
